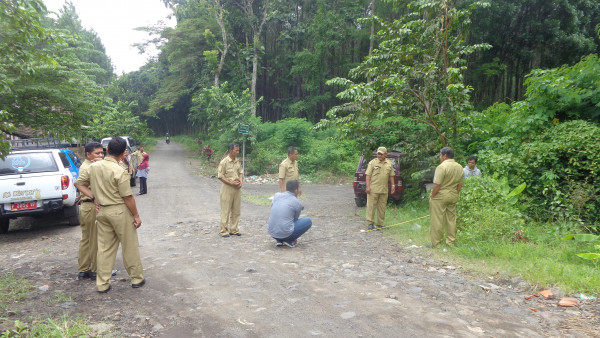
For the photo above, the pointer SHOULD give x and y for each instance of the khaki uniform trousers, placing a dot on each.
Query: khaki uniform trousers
(115, 225)
(442, 210)
(231, 199)
(377, 202)
(88, 246)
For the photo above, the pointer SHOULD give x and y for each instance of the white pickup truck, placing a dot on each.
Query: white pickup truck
(37, 183)
(132, 147)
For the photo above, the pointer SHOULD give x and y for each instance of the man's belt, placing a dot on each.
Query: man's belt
(83, 201)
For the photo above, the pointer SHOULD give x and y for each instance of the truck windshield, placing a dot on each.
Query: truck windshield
(27, 163)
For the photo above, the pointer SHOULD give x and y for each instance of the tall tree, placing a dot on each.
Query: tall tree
(257, 12)
(89, 47)
(527, 34)
(51, 89)
(219, 14)
(415, 74)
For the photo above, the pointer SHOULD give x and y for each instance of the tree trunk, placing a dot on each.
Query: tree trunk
(218, 12)
(371, 38)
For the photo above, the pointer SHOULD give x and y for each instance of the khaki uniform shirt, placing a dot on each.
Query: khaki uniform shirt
(380, 173)
(139, 155)
(288, 170)
(128, 168)
(448, 175)
(230, 169)
(108, 181)
(85, 168)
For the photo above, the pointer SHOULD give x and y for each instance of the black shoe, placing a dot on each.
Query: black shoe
(379, 226)
(83, 275)
(236, 234)
(105, 291)
(371, 227)
(225, 236)
(139, 285)
(92, 275)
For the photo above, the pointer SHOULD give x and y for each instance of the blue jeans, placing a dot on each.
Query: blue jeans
(301, 225)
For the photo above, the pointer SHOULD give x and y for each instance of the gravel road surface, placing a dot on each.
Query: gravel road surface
(337, 282)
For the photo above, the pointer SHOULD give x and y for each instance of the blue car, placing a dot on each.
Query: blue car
(71, 161)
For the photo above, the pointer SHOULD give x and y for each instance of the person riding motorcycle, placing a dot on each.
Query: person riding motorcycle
(167, 138)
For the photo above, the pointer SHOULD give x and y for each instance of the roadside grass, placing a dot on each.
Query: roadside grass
(257, 199)
(59, 297)
(325, 177)
(187, 141)
(14, 290)
(150, 143)
(63, 327)
(542, 257)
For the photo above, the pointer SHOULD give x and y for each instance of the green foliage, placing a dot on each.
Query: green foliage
(117, 123)
(594, 240)
(51, 75)
(566, 153)
(7, 127)
(538, 254)
(534, 34)
(21, 31)
(219, 109)
(553, 96)
(566, 93)
(415, 73)
(486, 209)
(318, 150)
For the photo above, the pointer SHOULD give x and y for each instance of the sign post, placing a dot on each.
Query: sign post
(244, 131)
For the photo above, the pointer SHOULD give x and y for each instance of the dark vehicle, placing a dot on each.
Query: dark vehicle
(360, 179)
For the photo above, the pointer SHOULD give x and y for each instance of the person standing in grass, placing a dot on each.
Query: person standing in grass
(447, 182)
(142, 173)
(379, 172)
(288, 169)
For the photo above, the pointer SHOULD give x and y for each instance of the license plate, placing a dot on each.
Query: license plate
(23, 206)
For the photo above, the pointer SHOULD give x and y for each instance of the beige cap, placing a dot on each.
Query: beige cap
(381, 150)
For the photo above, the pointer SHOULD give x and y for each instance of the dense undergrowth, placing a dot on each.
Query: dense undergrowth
(321, 154)
(495, 238)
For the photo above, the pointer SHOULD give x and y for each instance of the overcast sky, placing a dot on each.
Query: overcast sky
(114, 21)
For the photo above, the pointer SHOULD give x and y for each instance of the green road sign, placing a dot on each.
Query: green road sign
(243, 129)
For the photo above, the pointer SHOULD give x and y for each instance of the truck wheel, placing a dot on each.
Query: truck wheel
(4, 224)
(361, 200)
(74, 221)
(72, 215)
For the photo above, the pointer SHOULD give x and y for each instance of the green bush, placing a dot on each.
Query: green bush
(318, 150)
(563, 167)
(485, 213)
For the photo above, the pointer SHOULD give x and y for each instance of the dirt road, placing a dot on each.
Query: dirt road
(200, 285)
